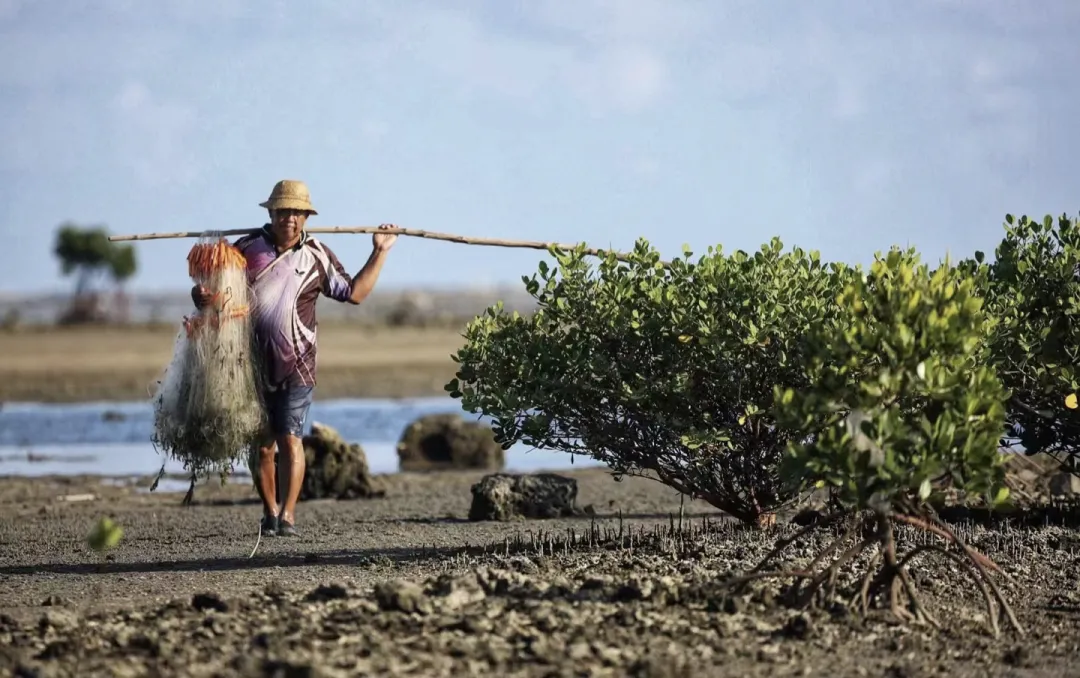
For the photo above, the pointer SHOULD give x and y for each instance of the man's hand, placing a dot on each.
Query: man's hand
(364, 281)
(201, 296)
(382, 242)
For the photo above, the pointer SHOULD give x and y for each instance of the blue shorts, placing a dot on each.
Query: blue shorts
(288, 409)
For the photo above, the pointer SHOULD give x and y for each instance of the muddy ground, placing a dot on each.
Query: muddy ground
(403, 585)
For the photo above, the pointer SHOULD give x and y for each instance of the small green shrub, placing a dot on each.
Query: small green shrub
(909, 406)
(1033, 291)
(658, 370)
(907, 399)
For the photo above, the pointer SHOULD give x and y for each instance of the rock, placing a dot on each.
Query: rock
(336, 469)
(1065, 484)
(274, 590)
(209, 601)
(326, 592)
(798, 627)
(60, 620)
(503, 497)
(447, 441)
(454, 592)
(403, 596)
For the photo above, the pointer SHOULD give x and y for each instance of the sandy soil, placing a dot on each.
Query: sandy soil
(70, 365)
(404, 585)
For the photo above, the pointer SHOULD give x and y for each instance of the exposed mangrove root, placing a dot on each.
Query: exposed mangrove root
(964, 565)
(981, 567)
(942, 531)
(886, 578)
(782, 544)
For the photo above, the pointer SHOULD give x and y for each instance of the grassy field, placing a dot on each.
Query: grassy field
(124, 363)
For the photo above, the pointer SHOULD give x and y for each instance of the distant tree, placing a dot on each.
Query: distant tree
(122, 266)
(83, 252)
(87, 253)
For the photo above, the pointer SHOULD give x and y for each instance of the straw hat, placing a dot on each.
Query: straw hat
(290, 195)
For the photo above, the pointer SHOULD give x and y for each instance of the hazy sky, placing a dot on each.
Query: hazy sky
(842, 126)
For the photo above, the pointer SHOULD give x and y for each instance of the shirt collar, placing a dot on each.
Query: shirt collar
(270, 237)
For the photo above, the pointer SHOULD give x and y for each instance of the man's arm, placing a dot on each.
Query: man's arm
(364, 281)
(353, 291)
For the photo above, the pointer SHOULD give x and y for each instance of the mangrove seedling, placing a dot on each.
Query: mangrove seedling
(910, 407)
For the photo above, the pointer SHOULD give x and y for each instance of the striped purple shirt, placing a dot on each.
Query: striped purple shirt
(285, 288)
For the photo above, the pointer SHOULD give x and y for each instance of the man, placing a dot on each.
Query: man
(288, 270)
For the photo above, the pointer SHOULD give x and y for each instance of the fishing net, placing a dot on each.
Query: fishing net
(208, 409)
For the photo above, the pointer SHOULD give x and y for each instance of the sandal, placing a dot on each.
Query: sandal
(270, 526)
(286, 529)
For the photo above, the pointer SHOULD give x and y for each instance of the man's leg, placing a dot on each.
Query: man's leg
(263, 468)
(266, 480)
(291, 452)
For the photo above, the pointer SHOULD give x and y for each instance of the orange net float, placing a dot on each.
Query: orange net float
(208, 258)
(209, 411)
(208, 263)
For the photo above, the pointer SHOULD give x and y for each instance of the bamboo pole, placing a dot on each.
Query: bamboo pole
(416, 233)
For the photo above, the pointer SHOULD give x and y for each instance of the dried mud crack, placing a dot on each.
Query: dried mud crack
(579, 606)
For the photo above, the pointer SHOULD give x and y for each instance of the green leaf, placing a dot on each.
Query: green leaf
(105, 535)
(1001, 496)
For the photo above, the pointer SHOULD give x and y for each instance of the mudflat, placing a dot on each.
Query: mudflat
(59, 364)
(405, 585)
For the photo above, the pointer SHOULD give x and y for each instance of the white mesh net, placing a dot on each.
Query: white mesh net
(208, 409)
